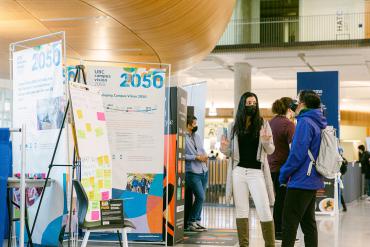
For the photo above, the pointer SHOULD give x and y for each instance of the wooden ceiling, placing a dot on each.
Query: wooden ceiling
(177, 32)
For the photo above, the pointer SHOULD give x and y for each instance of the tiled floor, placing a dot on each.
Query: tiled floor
(350, 229)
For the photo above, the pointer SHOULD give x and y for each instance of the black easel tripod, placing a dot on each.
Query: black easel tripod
(76, 161)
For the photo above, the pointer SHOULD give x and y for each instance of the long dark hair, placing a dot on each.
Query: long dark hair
(241, 117)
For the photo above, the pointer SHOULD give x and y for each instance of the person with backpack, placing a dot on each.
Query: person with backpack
(365, 166)
(301, 179)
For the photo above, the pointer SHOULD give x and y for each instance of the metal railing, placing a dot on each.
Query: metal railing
(295, 30)
(216, 212)
(216, 191)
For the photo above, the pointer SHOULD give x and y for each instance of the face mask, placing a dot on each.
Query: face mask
(195, 129)
(250, 110)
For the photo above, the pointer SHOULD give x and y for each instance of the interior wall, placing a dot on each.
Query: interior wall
(353, 133)
(331, 20)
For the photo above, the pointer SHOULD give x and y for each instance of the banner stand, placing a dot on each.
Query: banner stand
(12, 49)
(76, 158)
(167, 226)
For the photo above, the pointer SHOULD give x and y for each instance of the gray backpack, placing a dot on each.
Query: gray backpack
(329, 160)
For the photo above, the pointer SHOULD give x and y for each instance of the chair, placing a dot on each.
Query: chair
(96, 226)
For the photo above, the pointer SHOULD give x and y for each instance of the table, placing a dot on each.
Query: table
(14, 183)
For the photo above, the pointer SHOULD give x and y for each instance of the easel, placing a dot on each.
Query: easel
(76, 158)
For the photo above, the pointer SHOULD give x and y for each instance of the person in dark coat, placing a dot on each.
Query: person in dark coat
(365, 166)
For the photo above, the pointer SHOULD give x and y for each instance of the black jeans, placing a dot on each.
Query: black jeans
(279, 202)
(299, 209)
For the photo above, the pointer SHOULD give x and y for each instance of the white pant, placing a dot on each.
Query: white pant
(253, 181)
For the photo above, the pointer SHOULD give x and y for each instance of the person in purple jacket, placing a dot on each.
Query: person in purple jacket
(300, 200)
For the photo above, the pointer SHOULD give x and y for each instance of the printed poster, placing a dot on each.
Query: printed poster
(93, 148)
(134, 102)
(39, 101)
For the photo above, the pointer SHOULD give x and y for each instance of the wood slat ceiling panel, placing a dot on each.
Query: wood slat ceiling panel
(169, 31)
(190, 28)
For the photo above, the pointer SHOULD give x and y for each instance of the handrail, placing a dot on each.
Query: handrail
(297, 29)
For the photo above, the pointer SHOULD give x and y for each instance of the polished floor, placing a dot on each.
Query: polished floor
(348, 229)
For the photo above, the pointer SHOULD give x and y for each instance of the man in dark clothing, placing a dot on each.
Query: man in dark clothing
(365, 166)
(300, 201)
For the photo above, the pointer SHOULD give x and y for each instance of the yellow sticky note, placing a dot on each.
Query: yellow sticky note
(85, 182)
(100, 160)
(107, 174)
(79, 114)
(92, 181)
(91, 195)
(100, 184)
(99, 173)
(106, 159)
(88, 127)
(99, 132)
(81, 134)
(107, 184)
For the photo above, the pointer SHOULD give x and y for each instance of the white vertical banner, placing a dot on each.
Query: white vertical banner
(134, 101)
(197, 97)
(39, 101)
(93, 148)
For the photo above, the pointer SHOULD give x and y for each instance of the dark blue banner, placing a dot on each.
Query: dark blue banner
(326, 84)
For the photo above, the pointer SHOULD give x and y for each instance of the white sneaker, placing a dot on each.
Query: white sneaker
(193, 226)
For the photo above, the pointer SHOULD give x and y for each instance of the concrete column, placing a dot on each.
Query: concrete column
(242, 81)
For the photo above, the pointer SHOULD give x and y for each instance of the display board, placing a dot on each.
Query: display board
(326, 85)
(175, 141)
(93, 148)
(39, 100)
(134, 101)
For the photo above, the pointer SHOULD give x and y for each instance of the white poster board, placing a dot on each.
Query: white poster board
(197, 97)
(134, 101)
(39, 101)
(93, 147)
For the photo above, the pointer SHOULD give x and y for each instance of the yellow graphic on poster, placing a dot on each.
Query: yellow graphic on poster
(92, 143)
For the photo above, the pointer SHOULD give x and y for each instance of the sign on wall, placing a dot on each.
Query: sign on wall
(134, 101)
(326, 85)
(39, 101)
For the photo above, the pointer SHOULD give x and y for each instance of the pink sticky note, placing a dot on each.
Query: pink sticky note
(101, 116)
(105, 195)
(95, 215)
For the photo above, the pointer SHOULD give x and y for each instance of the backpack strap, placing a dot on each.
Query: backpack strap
(312, 162)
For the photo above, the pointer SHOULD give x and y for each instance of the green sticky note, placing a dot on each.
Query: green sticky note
(99, 173)
(81, 134)
(99, 132)
(95, 205)
(107, 183)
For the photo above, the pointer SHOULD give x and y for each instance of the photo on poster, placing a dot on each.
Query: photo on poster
(50, 113)
(139, 183)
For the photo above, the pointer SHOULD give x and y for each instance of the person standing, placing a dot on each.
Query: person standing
(343, 170)
(364, 157)
(249, 140)
(196, 174)
(282, 130)
(300, 200)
